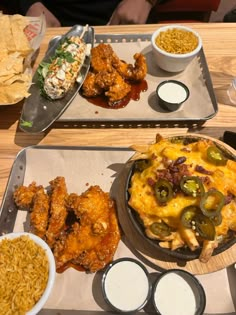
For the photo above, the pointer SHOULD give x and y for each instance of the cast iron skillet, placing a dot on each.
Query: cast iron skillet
(181, 253)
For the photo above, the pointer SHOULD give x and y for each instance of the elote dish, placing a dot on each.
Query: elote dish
(59, 76)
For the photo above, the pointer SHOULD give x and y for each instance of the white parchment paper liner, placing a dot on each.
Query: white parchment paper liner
(198, 106)
(76, 290)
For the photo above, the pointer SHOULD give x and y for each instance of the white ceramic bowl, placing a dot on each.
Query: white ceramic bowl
(52, 268)
(169, 61)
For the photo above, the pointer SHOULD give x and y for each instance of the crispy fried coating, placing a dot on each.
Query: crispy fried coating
(58, 211)
(102, 253)
(102, 58)
(23, 195)
(90, 87)
(130, 72)
(98, 227)
(82, 230)
(40, 212)
(111, 76)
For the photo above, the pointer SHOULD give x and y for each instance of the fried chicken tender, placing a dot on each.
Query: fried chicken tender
(58, 211)
(97, 227)
(114, 85)
(40, 213)
(111, 83)
(111, 76)
(23, 195)
(130, 72)
(90, 88)
(102, 58)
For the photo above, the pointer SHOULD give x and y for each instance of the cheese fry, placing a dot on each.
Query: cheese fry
(190, 238)
(207, 250)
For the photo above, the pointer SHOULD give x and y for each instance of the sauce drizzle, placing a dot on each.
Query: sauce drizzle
(136, 89)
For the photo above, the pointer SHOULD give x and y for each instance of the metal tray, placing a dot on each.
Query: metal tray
(39, 113)
(106, 165)
(146, 111)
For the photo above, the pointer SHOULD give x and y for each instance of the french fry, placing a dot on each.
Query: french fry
(207, 250)
(190, 238)
(177, 242)
(165, 245)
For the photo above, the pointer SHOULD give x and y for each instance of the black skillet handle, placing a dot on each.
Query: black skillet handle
(229, 137)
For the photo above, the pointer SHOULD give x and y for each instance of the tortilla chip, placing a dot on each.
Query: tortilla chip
(18, 24)
(12, 64)
(13, 93)
(6, 38)
(15, 77)
(23, 77)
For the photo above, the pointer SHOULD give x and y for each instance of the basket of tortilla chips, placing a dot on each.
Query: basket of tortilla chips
(20, 37)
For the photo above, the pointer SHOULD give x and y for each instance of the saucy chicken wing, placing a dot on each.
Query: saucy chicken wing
(130, 72)
(111, 76)
(95, 211)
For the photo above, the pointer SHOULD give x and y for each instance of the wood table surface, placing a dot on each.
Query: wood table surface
(220, 51)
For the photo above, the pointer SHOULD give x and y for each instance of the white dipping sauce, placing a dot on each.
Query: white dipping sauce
(172, 92)
(126, 286)
(174, 296)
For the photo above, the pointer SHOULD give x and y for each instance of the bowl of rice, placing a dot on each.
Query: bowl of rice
(175, 46)
(27, 269)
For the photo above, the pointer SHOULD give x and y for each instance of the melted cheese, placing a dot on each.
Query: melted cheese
(142, 196)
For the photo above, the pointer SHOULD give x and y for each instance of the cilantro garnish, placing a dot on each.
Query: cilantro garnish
(25, 123)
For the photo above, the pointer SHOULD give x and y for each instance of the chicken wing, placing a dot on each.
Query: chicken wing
(58, 211)
(130, 72)
(115, 87)
(90, 88)
(111, 76)
(95, 211)
(102, 58)
(102, 253)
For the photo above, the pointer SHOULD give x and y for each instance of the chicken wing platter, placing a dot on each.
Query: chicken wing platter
(57, 79)
(143, 108)
(78, 206)
(117, 83)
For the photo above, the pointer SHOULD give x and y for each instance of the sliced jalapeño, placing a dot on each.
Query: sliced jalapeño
(163, 191)
(192, 186)
(204, 227)
(160, 229)
(212, 202)
(188, 214)
(215, 156)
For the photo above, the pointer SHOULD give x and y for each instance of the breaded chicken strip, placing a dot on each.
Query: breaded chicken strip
(23, 195)
(40, 213)
(58, 211)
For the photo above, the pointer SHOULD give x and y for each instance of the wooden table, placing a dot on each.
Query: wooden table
(219, 47)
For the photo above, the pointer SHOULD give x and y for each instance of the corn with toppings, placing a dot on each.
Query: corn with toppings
(62, 72)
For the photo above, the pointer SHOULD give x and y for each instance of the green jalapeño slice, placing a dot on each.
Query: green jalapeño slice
(215, 156)
(192, 186)
(160, 229)
(163, 191)
(212, 202)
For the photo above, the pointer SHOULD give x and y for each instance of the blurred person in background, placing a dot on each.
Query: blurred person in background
(93, 12)
(230, 16)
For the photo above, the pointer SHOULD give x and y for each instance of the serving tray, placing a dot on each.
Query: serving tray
(77, 292)
(200, 106)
